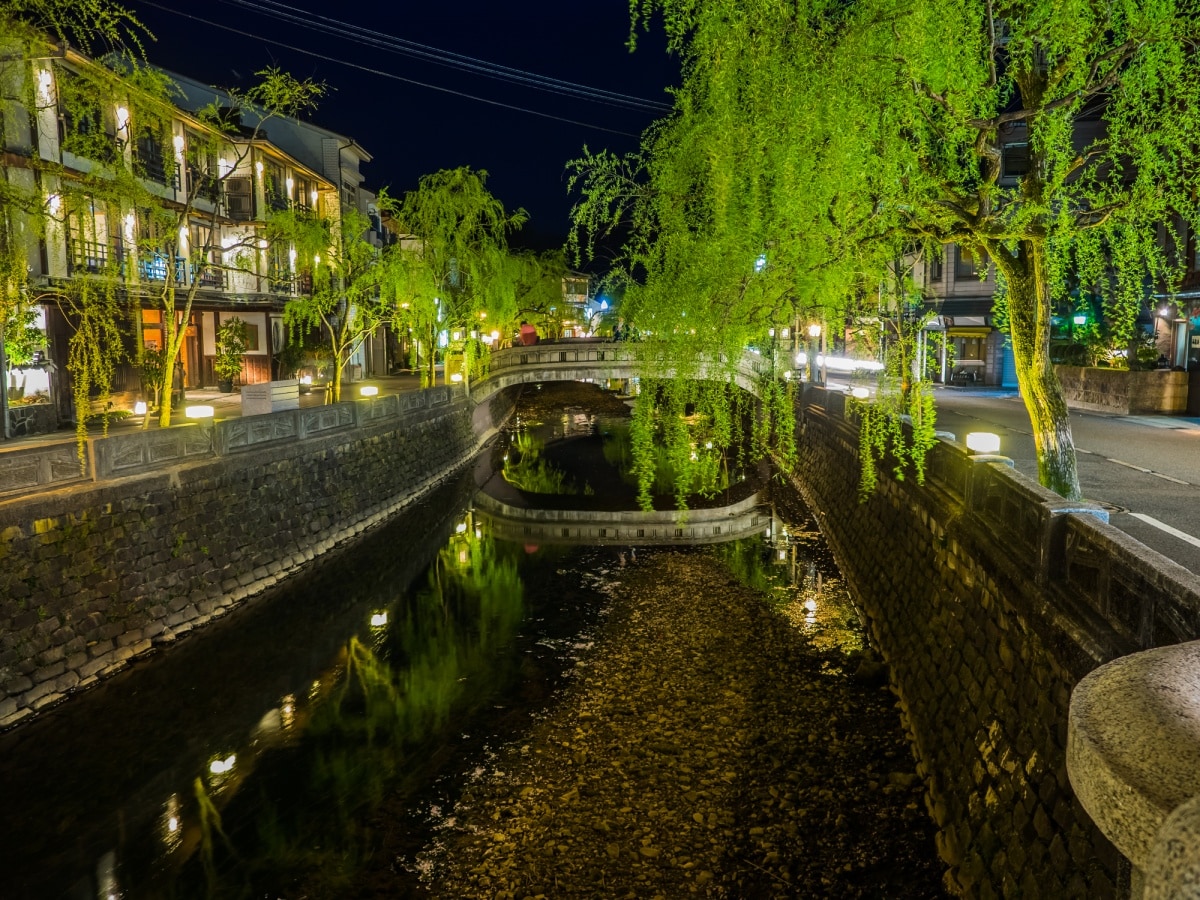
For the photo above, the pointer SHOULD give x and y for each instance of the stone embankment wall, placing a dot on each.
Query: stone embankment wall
(179, 527)
(1123, 393)
(990, 598)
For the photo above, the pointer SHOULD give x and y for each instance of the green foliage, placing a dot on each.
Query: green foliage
(453, 271)
(230, 346)
(525, 469)
(22, 337)
(93, 352)
(812, 145)
(898, 426)
(679, 440)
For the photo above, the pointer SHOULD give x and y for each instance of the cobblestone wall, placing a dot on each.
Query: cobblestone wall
(983, 661)
(94, 575)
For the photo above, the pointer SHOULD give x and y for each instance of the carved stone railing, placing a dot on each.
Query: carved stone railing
(125, 453)
(592, 360)
(626, 527)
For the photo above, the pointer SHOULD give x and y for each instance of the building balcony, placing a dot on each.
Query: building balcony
(155, 268)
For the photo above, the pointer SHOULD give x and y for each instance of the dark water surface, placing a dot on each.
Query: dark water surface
(313, 743)
(245, 761)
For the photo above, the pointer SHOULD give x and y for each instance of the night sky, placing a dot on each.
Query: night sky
(411, 129)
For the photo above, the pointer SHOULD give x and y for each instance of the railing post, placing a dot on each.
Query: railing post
(1052, 542)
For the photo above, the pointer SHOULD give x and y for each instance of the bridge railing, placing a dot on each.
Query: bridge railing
(586, 357)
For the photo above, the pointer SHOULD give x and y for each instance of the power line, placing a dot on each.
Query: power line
(374, 38)
(383, 74)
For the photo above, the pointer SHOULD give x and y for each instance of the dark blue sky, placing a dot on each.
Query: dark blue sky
(412, 130)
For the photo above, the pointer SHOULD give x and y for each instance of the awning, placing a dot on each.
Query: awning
(969, 331)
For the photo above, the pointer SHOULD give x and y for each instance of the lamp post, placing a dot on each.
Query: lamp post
(814, 332)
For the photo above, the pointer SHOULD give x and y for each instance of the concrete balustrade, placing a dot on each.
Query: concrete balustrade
(1134, 760)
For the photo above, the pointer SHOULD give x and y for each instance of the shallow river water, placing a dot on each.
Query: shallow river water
(319, 738)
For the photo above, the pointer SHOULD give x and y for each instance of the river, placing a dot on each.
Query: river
(316, 742)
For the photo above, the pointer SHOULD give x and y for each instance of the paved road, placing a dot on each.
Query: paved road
(1145, 468)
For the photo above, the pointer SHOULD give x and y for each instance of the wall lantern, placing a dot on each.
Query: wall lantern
(814, 331)
(983, 442)
(139, 408)
(456, 377)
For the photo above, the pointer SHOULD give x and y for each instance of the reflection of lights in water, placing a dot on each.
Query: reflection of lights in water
(287, 711)
(172, 834)
(314, 691)
(223, 766)
(106, 876)
(810, 605)
(379, 620)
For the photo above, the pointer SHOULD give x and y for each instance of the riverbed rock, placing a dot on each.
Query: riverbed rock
(724, 754)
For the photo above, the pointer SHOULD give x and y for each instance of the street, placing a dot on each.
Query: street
(1145, 469)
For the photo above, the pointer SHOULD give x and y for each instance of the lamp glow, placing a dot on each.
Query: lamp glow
(456, 377)
(814, 330)
(379, 620)
(368, 390)
(139, 408)
(983, 442)
(199, 412)
(1080, 320)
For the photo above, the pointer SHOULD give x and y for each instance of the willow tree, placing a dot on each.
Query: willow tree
(1054, 137)
(732, 232)
(350, 278)
(454, 264)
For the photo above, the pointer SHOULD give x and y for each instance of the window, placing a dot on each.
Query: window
(1014, 160)
(306, 193)
(88, 239)
(276, 187)
(934, 267)
(966, 267)
(202, 168)
(152, 337)
(239, 199)
(148, 152)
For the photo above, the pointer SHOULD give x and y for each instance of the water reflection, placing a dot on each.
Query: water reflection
(791, 565)
(279, 752)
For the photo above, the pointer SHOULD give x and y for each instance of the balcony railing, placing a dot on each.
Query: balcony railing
(283, 281)
(210, 277)
(155, 268)
(206, 187)
(92, 256)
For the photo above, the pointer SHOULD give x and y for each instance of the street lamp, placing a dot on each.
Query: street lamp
(814, 332)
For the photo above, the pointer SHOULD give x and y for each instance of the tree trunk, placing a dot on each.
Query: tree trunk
(1029, 327)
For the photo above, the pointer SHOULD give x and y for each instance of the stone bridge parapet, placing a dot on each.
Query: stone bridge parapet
(590, 360)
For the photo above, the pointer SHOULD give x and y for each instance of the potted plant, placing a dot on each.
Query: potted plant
(230, 347)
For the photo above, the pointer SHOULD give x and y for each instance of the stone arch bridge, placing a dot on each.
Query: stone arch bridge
(590, 360)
